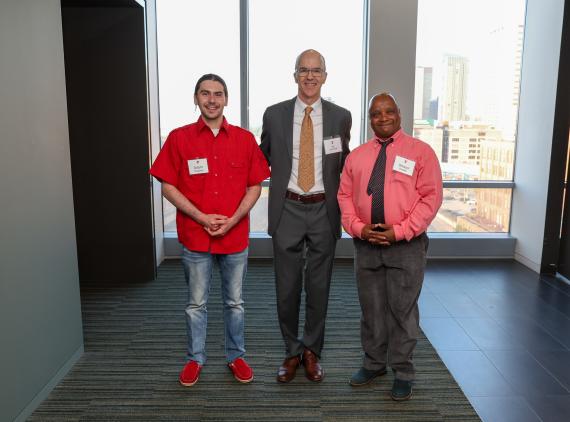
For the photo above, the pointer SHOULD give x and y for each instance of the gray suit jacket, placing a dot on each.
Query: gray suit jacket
(277, 145)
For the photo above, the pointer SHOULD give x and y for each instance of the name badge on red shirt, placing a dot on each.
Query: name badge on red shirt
(403, 165)
(198, 166)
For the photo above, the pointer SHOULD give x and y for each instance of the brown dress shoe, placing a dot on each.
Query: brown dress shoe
(288, 369)
(313, 369)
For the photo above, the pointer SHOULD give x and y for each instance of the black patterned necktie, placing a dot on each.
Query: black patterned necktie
(376, 184)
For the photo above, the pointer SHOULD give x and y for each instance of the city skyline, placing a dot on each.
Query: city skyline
(477, 93)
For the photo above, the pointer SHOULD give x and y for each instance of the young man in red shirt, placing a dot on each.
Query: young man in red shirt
(211, 172)
(390, 191)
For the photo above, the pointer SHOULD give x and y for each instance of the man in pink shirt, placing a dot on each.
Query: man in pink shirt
(390, 191)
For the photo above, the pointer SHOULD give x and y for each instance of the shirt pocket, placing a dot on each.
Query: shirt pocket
(194, 182)
(238, 173)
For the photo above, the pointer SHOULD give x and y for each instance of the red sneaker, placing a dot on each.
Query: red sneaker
(190, 374)
(241, 370)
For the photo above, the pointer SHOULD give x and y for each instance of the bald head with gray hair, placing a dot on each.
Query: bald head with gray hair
(323, 64)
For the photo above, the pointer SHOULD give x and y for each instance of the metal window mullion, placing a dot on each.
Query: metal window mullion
(468, 184)
(244, 61)
(365, 71)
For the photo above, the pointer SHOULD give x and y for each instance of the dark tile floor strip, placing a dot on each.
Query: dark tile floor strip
(135, 345)
(504, 333)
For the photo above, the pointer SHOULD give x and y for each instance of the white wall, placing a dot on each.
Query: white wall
(535, 124)
(40, 311)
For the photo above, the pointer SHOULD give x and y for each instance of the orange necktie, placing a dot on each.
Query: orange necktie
(306, 176)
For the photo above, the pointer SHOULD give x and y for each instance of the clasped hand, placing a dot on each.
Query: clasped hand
(217, 225)
(384, 238)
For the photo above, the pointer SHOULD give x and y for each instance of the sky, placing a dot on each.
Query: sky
(457, 26)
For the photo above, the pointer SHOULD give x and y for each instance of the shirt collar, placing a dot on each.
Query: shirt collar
(201, 124)
(396, 136)
(300, 105)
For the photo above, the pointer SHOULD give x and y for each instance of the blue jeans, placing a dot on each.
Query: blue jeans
(198, 272)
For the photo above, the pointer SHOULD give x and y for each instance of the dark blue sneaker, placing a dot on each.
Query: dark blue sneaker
(401, 390)
(365, 376)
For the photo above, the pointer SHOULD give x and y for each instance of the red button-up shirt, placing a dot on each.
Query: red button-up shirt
(235, 162)
(411, 201)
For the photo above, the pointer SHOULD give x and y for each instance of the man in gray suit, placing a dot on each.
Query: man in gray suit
(305, 141)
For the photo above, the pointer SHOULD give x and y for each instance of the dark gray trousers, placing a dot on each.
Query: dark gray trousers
(303, 226)
(389, 280)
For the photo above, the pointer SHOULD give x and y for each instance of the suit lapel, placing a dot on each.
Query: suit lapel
(327, 129)
(288, 117)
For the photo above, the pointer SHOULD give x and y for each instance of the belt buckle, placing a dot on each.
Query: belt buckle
(310, 199)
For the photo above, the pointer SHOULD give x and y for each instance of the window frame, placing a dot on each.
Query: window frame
(452, 244)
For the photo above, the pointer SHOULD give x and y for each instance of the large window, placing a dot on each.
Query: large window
(197, 37)
(468, 59)
(274, 44)
(194, 38)
(278, 32)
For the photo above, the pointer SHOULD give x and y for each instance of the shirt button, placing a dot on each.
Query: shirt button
(215, 193)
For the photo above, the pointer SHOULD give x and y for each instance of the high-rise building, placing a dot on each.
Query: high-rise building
(433, 105)
(503, 81)
(424, 81)
(453, 89)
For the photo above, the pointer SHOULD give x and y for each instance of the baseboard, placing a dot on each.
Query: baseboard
(442, 245)
(527, 262)
(42, 395)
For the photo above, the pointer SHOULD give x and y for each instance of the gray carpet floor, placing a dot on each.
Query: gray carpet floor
(135, 347)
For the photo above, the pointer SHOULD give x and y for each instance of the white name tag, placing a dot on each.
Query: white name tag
(403, 165)
(198, 166)
(332, 145)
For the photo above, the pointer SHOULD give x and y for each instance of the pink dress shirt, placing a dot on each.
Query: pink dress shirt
(410, 202)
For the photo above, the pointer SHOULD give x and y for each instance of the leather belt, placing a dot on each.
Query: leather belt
(305, 199)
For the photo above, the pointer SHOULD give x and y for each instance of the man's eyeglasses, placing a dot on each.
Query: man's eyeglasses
(304, 71)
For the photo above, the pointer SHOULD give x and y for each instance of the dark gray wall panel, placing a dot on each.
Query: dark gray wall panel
(105, 67)
(40, 313)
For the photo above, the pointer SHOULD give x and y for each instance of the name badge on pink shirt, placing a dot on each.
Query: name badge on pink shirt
(403, 165)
